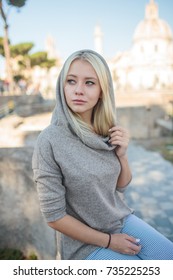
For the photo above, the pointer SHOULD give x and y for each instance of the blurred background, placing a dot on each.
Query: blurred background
(136, 39)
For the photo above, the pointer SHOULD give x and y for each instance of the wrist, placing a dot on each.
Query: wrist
(122, 157)
(109, 241)
(99, 239)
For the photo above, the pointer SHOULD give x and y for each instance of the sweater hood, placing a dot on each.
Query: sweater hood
(61, 116)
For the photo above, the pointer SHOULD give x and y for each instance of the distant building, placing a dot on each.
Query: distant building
(148, 65)
(50, 47)
(98, 39)
(45, 79)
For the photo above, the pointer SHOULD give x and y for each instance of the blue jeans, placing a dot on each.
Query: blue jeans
(154, 245)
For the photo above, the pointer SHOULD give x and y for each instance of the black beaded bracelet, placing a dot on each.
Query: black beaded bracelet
(108, 241)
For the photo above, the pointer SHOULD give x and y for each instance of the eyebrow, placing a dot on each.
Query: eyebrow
(86, 78)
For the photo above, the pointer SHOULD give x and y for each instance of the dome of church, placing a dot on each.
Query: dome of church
(152, 26)
(156, 28)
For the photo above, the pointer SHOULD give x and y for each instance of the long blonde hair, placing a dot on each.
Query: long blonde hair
(103, 117)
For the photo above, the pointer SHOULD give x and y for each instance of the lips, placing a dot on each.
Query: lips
(79, 101)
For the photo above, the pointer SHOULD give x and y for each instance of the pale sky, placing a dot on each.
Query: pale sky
(72, 22)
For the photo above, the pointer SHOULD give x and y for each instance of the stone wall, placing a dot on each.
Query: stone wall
(141, 120)
(22, 225)
(28, 105)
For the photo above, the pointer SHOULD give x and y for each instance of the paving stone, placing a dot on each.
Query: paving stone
(150, 193)
(166, 205)
(171, 220)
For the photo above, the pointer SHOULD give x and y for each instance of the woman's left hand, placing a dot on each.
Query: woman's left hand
(119, 137)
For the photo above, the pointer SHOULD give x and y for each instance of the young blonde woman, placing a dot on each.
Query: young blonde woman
(81, 169)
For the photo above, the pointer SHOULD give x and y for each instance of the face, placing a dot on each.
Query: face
(82, 89)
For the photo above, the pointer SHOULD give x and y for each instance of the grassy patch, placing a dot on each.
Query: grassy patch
(163, 145)
(166, 151)
(15, 254)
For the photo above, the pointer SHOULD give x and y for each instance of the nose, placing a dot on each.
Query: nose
(79, 90)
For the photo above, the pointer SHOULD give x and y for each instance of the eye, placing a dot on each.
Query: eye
(71, 81)
(90, 83)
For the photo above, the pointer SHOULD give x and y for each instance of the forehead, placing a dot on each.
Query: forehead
(81, 67)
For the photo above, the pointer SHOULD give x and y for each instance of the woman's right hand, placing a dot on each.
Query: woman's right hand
(124, 244)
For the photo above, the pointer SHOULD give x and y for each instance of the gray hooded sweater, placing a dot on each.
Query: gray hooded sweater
(77, 177)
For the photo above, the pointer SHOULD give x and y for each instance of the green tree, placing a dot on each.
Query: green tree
(26, 61)
(41, 59)
(1, 47)
(18, 4)
(21, 49)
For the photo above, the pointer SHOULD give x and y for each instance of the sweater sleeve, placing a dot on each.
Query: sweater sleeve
(48, 178)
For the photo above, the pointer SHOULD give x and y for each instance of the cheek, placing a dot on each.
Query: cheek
(67, 93)
(96, 96)
(67, 98)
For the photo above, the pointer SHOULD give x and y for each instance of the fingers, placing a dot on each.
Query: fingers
(117, 129)
(132, 249)
(118, 136)
(131, 238)
(125, 244)
(133, 245)
(135, 249)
